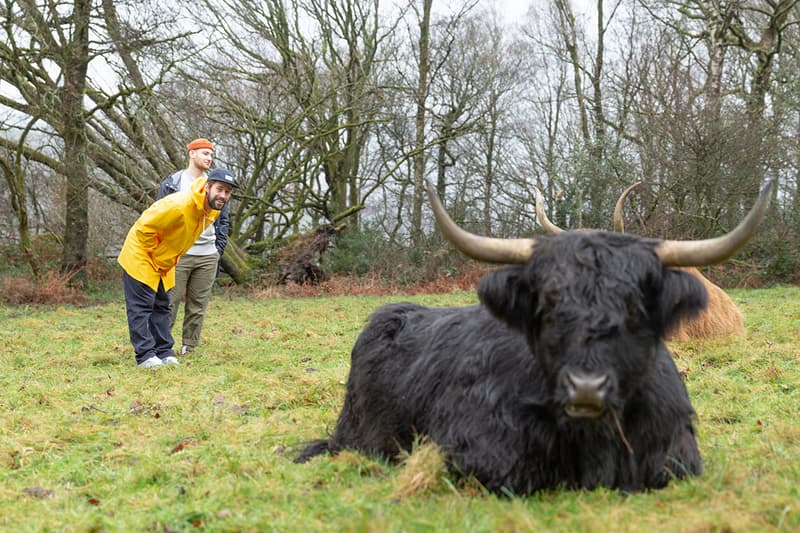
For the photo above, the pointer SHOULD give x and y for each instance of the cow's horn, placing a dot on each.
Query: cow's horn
(619, 225)
(489, 249)
(547, 225)
(710, 251)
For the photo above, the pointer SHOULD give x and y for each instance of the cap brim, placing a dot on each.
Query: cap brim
(234, 185)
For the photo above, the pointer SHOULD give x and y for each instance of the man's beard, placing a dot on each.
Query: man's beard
(214, 201)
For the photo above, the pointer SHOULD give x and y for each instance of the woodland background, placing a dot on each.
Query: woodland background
(332, 113)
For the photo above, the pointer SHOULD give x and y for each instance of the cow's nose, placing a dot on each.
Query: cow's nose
(586, 393)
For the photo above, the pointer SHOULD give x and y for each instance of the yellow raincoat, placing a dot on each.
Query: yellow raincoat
(163, 233)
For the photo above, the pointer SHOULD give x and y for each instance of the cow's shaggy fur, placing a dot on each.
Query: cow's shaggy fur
(489, 383)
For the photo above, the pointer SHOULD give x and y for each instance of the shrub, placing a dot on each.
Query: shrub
(783, 262)
(777, 256)
(53, 288)
(369, 253)
(357, 252)
(46, 248)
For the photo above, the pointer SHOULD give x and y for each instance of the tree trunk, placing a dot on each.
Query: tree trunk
(419, 141)
(76, 232)
(489, 178)
(16, 184)
(235, 263)
(15, 177)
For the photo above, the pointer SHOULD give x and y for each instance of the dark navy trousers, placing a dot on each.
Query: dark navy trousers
(148, 319)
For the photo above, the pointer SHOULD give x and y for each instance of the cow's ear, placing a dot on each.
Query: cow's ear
(508, 295)
(682, 296)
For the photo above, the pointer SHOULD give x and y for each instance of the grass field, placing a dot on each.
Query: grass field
(89, 442)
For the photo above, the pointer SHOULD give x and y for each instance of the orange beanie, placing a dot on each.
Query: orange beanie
(199, 143)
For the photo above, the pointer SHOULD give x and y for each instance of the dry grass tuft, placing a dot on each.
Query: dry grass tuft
(358, 463)
(52, 289)
(424, 471)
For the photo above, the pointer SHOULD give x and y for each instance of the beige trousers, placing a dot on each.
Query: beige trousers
(194, 279)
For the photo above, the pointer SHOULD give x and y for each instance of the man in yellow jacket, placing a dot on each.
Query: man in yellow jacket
(161, 235)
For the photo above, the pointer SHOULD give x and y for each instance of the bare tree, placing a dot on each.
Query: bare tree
(46, 58)
(38, 37)
(595, 172)
(300, 86)
(420, 98)
(717, 118)
(484, 67)
(13, 166)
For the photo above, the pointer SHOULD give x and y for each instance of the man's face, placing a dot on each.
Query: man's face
(201, 158)
(217, 194)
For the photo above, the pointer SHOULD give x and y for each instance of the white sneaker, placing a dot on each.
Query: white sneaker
(171, 360)
(150, 363)
(186, 349)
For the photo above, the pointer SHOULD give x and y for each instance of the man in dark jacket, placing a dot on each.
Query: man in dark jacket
(197, 269)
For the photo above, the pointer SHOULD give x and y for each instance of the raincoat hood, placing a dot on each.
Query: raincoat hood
(163, 233)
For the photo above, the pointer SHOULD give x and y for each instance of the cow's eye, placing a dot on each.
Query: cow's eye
(633, 316)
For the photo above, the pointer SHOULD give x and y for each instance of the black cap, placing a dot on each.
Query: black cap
(224, 175)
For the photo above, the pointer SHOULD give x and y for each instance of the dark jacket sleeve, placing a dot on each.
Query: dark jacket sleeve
(164, 189)
(221, 227)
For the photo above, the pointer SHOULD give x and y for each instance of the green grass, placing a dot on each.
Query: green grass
(88, 442)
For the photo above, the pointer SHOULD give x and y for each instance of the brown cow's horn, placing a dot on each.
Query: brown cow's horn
(547, 225)
(489, 249)
(619, 225)
(710, 251)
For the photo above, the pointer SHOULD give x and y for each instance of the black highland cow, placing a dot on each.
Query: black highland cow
(558, 378)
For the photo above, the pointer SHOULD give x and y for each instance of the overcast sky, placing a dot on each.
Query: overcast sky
(513, 11)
